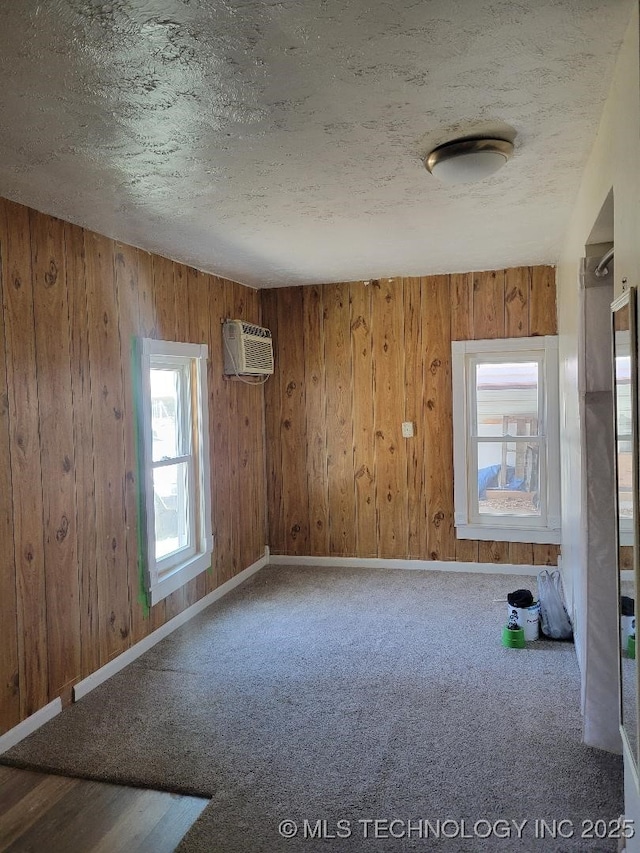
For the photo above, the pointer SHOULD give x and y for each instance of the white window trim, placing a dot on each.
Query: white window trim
(161, 582)
(505, 528)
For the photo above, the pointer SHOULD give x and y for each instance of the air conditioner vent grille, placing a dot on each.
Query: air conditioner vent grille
(248, 349)
(256, 331)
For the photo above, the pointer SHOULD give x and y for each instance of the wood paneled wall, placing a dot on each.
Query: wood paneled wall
(72, 302)
(353, 361)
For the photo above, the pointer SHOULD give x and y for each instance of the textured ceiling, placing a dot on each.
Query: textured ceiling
(281, 142)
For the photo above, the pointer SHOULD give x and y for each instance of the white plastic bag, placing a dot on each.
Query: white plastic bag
(554, 619)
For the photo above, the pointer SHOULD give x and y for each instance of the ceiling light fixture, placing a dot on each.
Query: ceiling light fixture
(465, 160)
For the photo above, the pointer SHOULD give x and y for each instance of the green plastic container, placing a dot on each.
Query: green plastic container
(631, 648)
(513, 638)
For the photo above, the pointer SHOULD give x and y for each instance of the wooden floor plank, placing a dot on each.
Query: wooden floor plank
(14, 785)
(30, 809)
(75, 822)
(181, 816)
(136, 812)
(57, 814)
(138, 822)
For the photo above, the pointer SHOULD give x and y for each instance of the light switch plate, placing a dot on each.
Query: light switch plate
(407, 429)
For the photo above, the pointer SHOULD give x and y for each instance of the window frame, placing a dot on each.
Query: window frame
(167, 574)
(469, 522)
(626, 525)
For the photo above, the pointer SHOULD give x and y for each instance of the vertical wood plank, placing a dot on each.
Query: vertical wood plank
(9, 675)
(521, 553)
(51, 311)
(239, 461)
(416, 413)
(126, 282)
(110, 471)
(436, 318)
(232, 400)
(251, 422)
(26, 467)
(488, 305)
(221, 468)
(83, 433)
(211, 327)
(542, 315)
(517, 295)
(255, 531)
(272, 393)
(461, 307)
(338, 393)
(545, 555)
(467, 550)
(245, 396)
(316, 421)
(240, 424)
(493, 552)
(387, 312)
(146, 296)
(231, 404)
(165, 298)
(292, 420)
(211, 331)
(363, 425)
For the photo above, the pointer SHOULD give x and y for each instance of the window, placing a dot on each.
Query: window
(624, 435)
(175, 454)
(505, 439)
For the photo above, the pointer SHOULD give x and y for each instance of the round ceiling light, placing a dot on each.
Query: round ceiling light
(465, 160)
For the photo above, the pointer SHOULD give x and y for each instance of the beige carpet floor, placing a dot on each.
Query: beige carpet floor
(349, 695)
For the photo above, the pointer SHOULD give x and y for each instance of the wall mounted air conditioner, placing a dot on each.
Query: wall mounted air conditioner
(248, 349)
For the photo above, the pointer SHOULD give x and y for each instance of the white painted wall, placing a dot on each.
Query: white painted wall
(614, 162)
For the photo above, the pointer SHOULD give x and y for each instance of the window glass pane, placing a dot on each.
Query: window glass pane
(171, 507)
(507, 398)
(508, 477)
(623, 396)
(168, 396)
(624, 432)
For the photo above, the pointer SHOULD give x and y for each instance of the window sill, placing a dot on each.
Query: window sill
(179, 576)
(534, 535)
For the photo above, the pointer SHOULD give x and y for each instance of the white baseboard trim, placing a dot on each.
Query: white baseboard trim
(28, 726)
(100, 675)
(421, 565)
(630, 766)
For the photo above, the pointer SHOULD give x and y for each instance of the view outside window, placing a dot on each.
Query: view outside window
(506, 437)
(623, 433)
(170, 394)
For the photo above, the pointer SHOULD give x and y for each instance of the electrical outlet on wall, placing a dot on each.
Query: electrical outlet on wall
(407, 429)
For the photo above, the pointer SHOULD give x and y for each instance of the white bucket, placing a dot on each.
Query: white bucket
(527, 618)
(627, 629)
